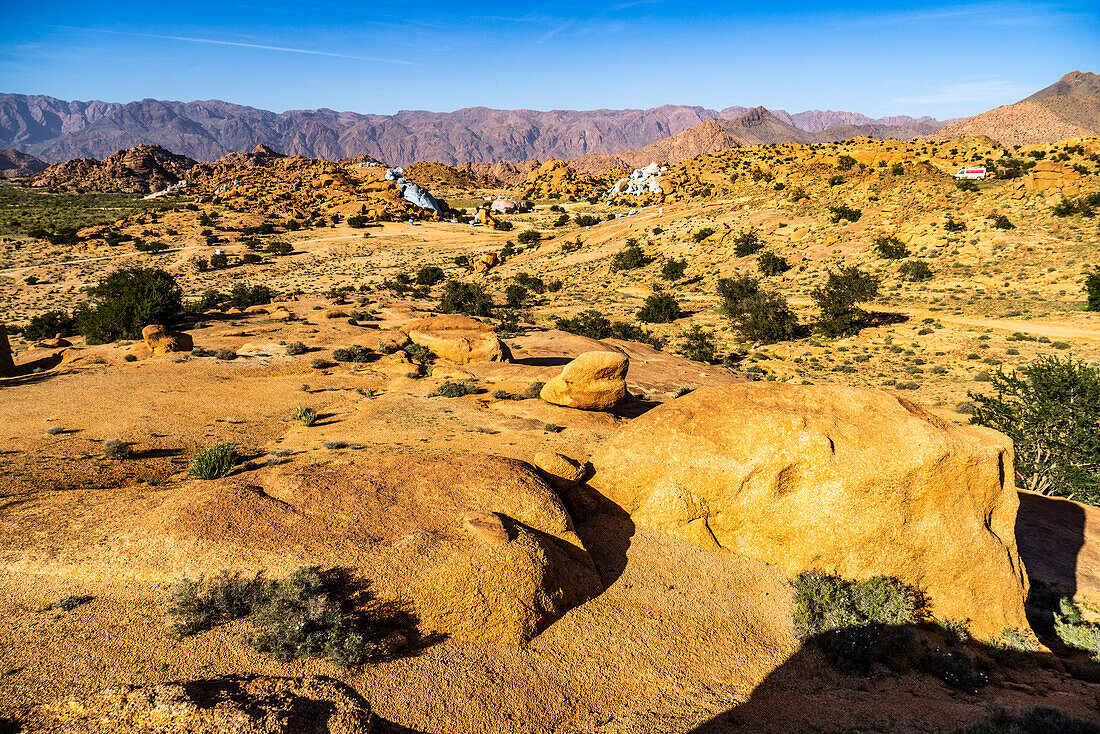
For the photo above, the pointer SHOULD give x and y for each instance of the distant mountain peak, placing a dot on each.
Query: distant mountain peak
(1074, 83)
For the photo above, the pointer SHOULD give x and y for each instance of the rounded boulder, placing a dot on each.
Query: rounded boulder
(592, 381)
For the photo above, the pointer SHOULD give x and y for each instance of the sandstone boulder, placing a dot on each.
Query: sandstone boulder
(226, 705)
(592, 381)
(561, 472)
(162, 341)
(485, 263)
(7, 365)
(843, 480)
(458, 339)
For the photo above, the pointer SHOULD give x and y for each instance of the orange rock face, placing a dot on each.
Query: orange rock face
(161, 341)
(592, 381)
(848, 481)
(458, 339)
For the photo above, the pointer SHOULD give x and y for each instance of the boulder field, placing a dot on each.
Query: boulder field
(843, 480)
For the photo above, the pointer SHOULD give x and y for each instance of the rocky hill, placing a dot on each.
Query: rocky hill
(139, 170)
(14, 164)
(58, 130)
(1032, 121)
(1075, 82)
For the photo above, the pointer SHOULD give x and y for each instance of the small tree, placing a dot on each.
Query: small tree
(1049, 411)
(844, 212)
(890, 248)
(673, 269)
(628, 258)
(429, 275)
(515, 294)
(659, 308)
(466, 298)
(529, 237)
(747, 242)
(772, 264)
(1092, 288)
(128, 300)
(757, 315)
(915, 271)
(839, 297)
(699, 345)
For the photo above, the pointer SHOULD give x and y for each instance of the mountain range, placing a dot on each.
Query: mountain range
(57, 130)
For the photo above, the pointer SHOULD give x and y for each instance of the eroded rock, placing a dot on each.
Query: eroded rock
(592, 381)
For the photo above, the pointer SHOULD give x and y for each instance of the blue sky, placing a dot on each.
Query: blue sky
(878, 57)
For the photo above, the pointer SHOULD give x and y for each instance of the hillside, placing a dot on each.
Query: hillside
(1032, 121)
(1073, 83)
(14, 164)
(58, 130)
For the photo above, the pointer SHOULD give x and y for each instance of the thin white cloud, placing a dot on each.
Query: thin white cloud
(962, 92)
(260, 46)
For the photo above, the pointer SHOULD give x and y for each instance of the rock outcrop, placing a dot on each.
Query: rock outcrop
(227, 705)
(843, 480)
(561, 472)
(7, 365)
(162, 341)
(458, 339)
(592, 381)
(139, 170)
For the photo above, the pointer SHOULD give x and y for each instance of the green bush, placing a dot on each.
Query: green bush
(358, 221)
(243, 296)
(530, 282)
(628, 258)
(1000, 221)
(529, 237)
(504, 226)
(128, 300)
(1092, 289)
(673, 269)
(844, 212)
(514, 295)
(586, 220)
(1074, 631)
(1048, 408)
(838, 299)
(953, 225)
(595, 325)
(824, 602)
(747, 242)
(915, 271)
(219, 260)
(772, 264)
(699, 345)
(215, 462)
(845, 162)
(429, 275)
(757, 315)
(659, 308)
(890, 248)
(48, 325)
(117, 450)
(465, 298)
(304, 415)
(835, 180)
(456, 389)
(702, 234)
(354, 353)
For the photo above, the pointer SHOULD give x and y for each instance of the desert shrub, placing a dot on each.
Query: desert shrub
(320, 363)
(465, 298)
(1000, 221)
(429, 275)
(418, 354)
(747, 242)
(219, 260)
(835, 180)
(699, 345)
(772, 264)
(586, 220)
(462, 260)
(456, 389)
(838, 299)
(890, 248)
(1092, 290)
(628, 258)
(153, 246)
(530, 282)
(128, 300)
(529, 237)
(117, 450)
(354, 353)
(214, 462)
(966, 185)
(897, 169)
(1074, 631)
(310, 613)
(504, 226)
(251, 258)
(358, 221)
(514, 295)
(659, 308)
(954, 667)
(673, 269)
(1037, 720)
(915, 271)
(225, 355)
(845, 162)
(48, 325)
(595, 325)
(757, 315)
(702, 234)
(242, 296)
(844, 212)
(1048, 408)
(561, 220)
(304, 415)
(954, 225)
(295, 348)
(279, 247)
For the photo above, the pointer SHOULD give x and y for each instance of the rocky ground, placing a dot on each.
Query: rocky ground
(563, 613)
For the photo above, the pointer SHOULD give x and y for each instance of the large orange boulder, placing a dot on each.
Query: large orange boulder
(592, 381)
(458, 339)
(843, 480)
(162, 341)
